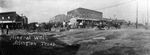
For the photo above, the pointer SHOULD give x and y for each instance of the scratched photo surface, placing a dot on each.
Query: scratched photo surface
(74, 27)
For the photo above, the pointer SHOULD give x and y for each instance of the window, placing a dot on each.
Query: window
(8, 17)
(2, 17)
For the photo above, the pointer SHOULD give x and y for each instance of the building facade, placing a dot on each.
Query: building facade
(85, 13)
(13, 20)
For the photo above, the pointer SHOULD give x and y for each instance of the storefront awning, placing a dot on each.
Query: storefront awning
(7, 21)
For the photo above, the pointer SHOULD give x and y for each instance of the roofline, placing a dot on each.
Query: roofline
(7, 12)
(85, 9)
(90, 10)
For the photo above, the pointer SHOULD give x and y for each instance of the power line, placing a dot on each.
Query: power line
(117, 5)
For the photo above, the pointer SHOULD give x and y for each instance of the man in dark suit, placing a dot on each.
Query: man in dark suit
(7, 29)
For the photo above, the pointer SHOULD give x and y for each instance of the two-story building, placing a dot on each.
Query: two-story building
(85, 13)
(13, 20)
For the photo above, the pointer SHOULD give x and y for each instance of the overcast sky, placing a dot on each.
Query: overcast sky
(43, 10)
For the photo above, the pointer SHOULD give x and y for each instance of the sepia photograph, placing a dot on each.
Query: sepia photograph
(74, 27)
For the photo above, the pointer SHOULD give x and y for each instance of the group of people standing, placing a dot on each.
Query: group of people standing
(75, 25)
(66, 24)
(4, 30)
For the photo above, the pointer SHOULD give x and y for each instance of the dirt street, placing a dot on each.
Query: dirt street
(113, 42)
(117, 42)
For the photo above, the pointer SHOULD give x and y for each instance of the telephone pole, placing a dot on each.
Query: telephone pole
(137, 14)
(147, 15)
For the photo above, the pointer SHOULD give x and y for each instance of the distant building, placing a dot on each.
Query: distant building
(60, 18)
(25, 19)
(13, 20)
(120, 21)
(85, 13)
(115, 20)
(107, 19)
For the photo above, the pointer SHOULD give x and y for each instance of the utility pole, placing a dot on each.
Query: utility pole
(143, 19)
(114, 17)
(137, 14)
(147, 15)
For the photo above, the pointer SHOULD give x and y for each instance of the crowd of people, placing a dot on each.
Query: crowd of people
(68, 25)
(50, 25)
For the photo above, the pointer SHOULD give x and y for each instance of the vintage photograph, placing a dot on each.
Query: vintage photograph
(74, 27)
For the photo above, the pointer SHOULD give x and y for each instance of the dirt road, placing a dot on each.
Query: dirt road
(117, 42)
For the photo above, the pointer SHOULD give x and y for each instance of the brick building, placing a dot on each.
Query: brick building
(85, 13)
(13, 20)
(89, 18)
